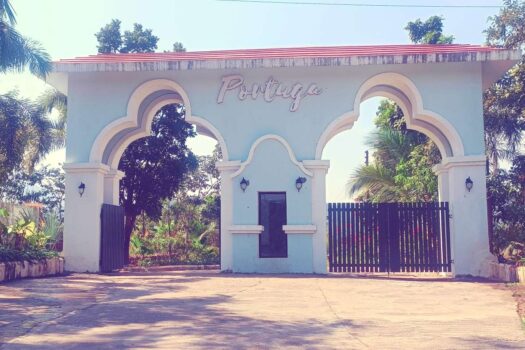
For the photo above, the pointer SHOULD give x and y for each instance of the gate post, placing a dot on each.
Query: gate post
(226, 169)
(319, 212)
(468, 209)
(112, 186)
(82, 215)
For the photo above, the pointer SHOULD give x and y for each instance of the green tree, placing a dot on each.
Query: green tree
(17, 51)
(139, 40)
(403, 159)
(402, 162)
(53, 100)
(110, 39)
(504, 102)
(26, 135)
(428, 32)
(155, 166)
(178, 47)
(45, 185)
(506, 190)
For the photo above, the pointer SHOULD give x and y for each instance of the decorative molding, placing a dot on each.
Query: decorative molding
(316, 164)
(131, 119)
(250, 229)
(114, 173)
(299, 229)
(91, 167)
(405, 93)
(276, 138)
(228, 165)
(447, 163)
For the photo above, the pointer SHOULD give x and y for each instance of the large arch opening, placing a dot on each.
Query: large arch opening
(384, 210)
(168, 218)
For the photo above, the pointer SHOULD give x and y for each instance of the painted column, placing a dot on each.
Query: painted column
(469, 224)
(226, 169)
(442, 175)
(112, 186)
(82, 215)
(319, 212)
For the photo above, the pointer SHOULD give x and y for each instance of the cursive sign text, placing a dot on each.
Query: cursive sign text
(269, 90)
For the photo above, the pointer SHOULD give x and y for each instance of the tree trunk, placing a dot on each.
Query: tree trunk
(128, 228)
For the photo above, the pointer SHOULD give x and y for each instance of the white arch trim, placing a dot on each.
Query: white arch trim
(410, 101)
(131, 120)
(275, 138)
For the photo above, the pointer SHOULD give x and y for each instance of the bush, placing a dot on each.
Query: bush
(23, 240)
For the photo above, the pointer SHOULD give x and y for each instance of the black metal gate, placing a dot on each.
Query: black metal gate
(389, 237)
(112, 238)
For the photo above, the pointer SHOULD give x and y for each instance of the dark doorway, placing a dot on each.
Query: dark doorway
(272, 216)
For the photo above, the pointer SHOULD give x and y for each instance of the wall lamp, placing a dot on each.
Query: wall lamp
(299, 183)
(469, 183)
(81, 188)
(244, 184)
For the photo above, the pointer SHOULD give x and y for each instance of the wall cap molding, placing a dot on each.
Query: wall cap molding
(228, 165)
(255, 229)
(295, 229)
(451, 162)
(316, 164)
(91, 167)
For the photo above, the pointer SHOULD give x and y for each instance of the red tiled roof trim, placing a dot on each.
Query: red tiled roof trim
(285, 53)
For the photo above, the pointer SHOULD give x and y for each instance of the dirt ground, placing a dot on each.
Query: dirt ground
(207, 309)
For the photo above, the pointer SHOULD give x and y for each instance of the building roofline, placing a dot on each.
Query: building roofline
(286, 57)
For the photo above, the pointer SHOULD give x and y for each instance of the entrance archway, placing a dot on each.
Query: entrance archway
(366, 236)
(143, 107)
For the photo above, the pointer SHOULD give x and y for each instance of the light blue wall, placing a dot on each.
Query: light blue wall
(452, 90)
(272, 170)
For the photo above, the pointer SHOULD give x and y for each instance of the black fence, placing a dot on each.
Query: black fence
(112, 238)
(389, 237)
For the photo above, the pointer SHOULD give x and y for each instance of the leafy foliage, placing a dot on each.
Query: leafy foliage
(156, 166)
(26, 135)
(506, 191)
(403, 160)
(428, 32)
(45, 185)
(178, 47)
(504, 102)
(16, 51)
(23, 240)
(110, 39)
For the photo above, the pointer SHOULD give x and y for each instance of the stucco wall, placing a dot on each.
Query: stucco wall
(452, 90)
(271, 170)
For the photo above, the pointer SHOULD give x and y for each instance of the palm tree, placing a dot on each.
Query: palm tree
(377, 181)
(16, 51)
(26, 134)
(53, 100)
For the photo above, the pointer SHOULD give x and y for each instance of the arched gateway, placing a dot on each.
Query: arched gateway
(272, 111)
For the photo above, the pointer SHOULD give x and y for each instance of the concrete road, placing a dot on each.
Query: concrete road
(187, 310)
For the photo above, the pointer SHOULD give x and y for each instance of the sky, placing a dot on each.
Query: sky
(66, 29)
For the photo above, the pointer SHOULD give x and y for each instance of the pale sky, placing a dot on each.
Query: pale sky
(66, 29)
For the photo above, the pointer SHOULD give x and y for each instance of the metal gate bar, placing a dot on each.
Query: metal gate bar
(389, 237)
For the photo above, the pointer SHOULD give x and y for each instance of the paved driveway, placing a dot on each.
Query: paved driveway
(181, 310)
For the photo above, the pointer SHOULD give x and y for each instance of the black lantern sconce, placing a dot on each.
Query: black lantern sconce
(299, 183)
(244, 184)
(81, 188)
(469, 183)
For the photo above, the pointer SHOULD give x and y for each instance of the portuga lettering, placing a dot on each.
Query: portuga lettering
(269, 90)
